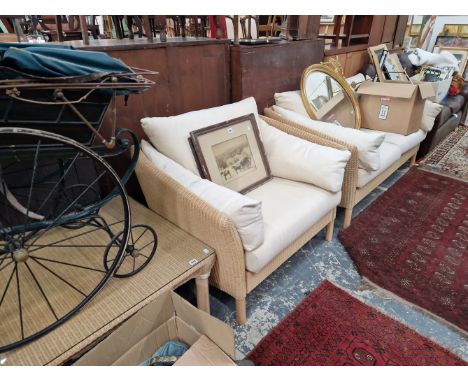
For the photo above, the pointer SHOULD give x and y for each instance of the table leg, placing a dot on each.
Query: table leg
(203, 293)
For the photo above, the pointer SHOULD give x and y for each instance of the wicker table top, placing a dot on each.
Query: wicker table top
(179, 257)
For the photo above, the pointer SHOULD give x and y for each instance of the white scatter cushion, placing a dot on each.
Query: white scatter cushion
(245, 212)
(367, 142)
(431, 111)
(297, 159)
(291, 101)
(405, 142)
(170, 134)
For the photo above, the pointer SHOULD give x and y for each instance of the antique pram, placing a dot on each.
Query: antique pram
(57, 250)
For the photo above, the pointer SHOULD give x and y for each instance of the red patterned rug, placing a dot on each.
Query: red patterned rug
(332, 328)
(412, 241)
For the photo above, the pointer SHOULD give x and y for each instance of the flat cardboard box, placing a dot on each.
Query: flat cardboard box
(204, 353)
(169, 317)
(393, 107)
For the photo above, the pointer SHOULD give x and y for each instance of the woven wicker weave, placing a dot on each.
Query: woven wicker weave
(180, 206)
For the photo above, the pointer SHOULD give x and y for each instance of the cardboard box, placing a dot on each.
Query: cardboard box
(169, 317)
(393, 107)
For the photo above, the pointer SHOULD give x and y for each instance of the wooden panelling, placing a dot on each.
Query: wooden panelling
(351, 62)
(376, 31)
(400, 30)
(389, 28)
(192, 75)
(260, 71)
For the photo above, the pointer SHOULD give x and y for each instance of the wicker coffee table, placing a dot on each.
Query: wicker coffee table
(179, 258)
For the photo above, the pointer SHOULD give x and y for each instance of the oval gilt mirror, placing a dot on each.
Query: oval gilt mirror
(328, 97)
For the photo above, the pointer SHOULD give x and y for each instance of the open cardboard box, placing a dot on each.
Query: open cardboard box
(394, 107)
(169, 317)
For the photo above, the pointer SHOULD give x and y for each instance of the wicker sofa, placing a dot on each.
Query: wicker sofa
(230, 274)
(358, 183)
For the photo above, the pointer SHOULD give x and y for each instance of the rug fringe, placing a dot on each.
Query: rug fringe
(434, 316)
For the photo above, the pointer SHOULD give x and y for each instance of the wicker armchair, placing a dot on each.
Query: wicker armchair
(178, 205)
(350, 194)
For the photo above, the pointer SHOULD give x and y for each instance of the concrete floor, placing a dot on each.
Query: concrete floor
(318, 260)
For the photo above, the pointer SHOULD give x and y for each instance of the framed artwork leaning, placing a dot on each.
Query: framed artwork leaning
(461, 54)
(231, 154)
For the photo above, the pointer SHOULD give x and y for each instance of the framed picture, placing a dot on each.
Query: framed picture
(450, 30)
(327, 19)
(378, 54)
(231, 154)
(393, 69)
(463, 31)
(415, 29)
(461, 54)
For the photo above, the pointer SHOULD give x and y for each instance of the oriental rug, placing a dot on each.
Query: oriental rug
(330, 327)
(412, 241)
(450, 157)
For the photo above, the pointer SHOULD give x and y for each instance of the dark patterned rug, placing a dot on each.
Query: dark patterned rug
(450, 157)
(412, 241)
(330, 327)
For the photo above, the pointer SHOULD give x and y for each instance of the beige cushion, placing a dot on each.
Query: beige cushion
(289, 210)
(405, 142)
(431, 111)
(170, 134)
(389, 154)
(291, 101)
(245, 212)
(297, 159)
(367, 142)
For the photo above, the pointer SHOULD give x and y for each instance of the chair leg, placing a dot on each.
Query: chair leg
(347, 217)
(241, 311)
(329, 232)
(413, 160)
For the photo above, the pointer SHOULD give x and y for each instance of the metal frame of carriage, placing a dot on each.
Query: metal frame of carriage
(48, 129)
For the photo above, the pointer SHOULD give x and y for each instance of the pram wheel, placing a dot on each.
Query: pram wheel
(141, 247)
(48, 272)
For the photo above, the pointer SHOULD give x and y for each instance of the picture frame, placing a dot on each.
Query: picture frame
(378, 55)
(231, 154)
(461, 55)
(415, 29)
(394, 69)
(450, 30)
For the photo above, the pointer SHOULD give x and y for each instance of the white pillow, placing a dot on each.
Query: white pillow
(430, 113)
(245, 212)
(367, 142)
(291, 101)
(170, 134)
(293, 158)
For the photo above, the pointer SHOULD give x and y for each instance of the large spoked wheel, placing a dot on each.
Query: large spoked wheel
(52, 240)
(141, 247)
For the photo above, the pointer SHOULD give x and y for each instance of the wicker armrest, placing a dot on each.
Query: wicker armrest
(183, 208)
(351, 170)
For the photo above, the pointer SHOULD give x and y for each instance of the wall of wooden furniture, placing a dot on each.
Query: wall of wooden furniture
(262, 70)
(383, 29)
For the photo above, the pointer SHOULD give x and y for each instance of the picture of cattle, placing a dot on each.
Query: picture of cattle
(234, 158)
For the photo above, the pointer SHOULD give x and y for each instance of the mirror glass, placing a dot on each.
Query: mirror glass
(328, 98)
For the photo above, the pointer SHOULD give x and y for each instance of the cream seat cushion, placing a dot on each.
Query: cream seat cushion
(245, 212)
(170, 134)
(294, 158)
(405, 142)
(289, 209)
(367, 142)
(389, 154)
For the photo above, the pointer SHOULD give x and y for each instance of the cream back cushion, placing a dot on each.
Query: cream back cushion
(297, 159)
(245, 212)
(291, 101)
(170, 134)
(367, 142)
(431, 111)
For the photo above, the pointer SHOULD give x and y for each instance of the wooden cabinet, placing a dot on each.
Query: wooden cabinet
(263, 70)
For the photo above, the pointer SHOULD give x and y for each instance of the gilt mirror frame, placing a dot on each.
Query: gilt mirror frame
(334, 70)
